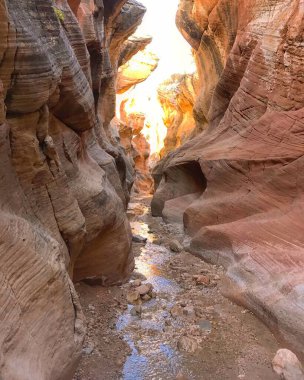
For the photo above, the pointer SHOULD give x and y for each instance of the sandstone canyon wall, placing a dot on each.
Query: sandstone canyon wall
(177, 96)
(137, 148)
(132, 121)
(238, 187)
(64, 183)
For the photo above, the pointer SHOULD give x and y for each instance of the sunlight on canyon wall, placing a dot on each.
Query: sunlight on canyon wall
(174, 57)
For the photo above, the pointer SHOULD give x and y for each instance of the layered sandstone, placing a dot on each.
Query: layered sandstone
(139, 67)
(137, 148)
(177, 96)
(237, 185)
(64, 178)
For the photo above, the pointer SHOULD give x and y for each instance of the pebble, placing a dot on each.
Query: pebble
(136, 282)
(144, 289)
(175, 246)
(88, 350)
(287, 365)
(146, 297)
(136, 310)
(133, 296)
(139, 239)
(202, 280)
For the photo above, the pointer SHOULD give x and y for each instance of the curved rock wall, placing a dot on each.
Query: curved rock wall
(64, 185)
(247, 215)
(177, 96)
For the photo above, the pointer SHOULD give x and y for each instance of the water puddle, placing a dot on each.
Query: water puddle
(154, 354)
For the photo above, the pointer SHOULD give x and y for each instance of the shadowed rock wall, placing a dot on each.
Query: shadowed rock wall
(64, 185)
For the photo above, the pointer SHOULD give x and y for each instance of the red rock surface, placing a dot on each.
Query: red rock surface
(247, 164)
(65, 180)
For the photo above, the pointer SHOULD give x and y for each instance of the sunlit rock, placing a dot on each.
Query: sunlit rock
(177, 96)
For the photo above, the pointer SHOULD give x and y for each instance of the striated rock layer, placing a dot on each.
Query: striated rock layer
(177, 96)
(64, 185)
(137, 148)
(137, 69)
(238, 185)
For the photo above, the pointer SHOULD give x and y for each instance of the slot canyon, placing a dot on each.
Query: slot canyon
(151, 213)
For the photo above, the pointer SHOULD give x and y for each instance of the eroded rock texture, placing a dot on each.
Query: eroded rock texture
(139, 65)
(64, 186)
(177, 96)
(137, 148)
(238, 185)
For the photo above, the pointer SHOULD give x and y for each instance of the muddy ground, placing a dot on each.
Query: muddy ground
(184, 329)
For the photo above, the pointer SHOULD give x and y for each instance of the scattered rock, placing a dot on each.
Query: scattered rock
(187, 344)
(176, 311)
(158, 241)
(153, 294)
(144, 289)
(202, 280)
(139, 239)
(287, 365)
(175, 246)
(146, 297)
(189, 311)
(136, 282)
(140, 276)
(136, 310)
(133, 296)
(88, 350)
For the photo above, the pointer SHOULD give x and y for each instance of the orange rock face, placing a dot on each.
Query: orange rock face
(139, 67)
(243, 172)
(64, 178)
(177, 96)
(137, 148)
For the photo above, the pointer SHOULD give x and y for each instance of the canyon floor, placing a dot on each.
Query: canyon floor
(186, 330)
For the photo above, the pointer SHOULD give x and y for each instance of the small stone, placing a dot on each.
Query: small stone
(187, 344)
(136, 282)
(202, 280)
(175, 246)
(133, 296)
(88, 350)
(91, 307)
(136, 310)
(146, 297)
(158, 241)
(153, 294)
(189, 311)
(139, 239)
(287, 365)
(176, 311)
(144, 289)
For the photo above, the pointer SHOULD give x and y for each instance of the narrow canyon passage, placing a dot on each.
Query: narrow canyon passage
(185, 328)
(151, 189)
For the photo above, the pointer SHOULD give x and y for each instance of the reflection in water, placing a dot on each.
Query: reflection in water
(151, 356)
